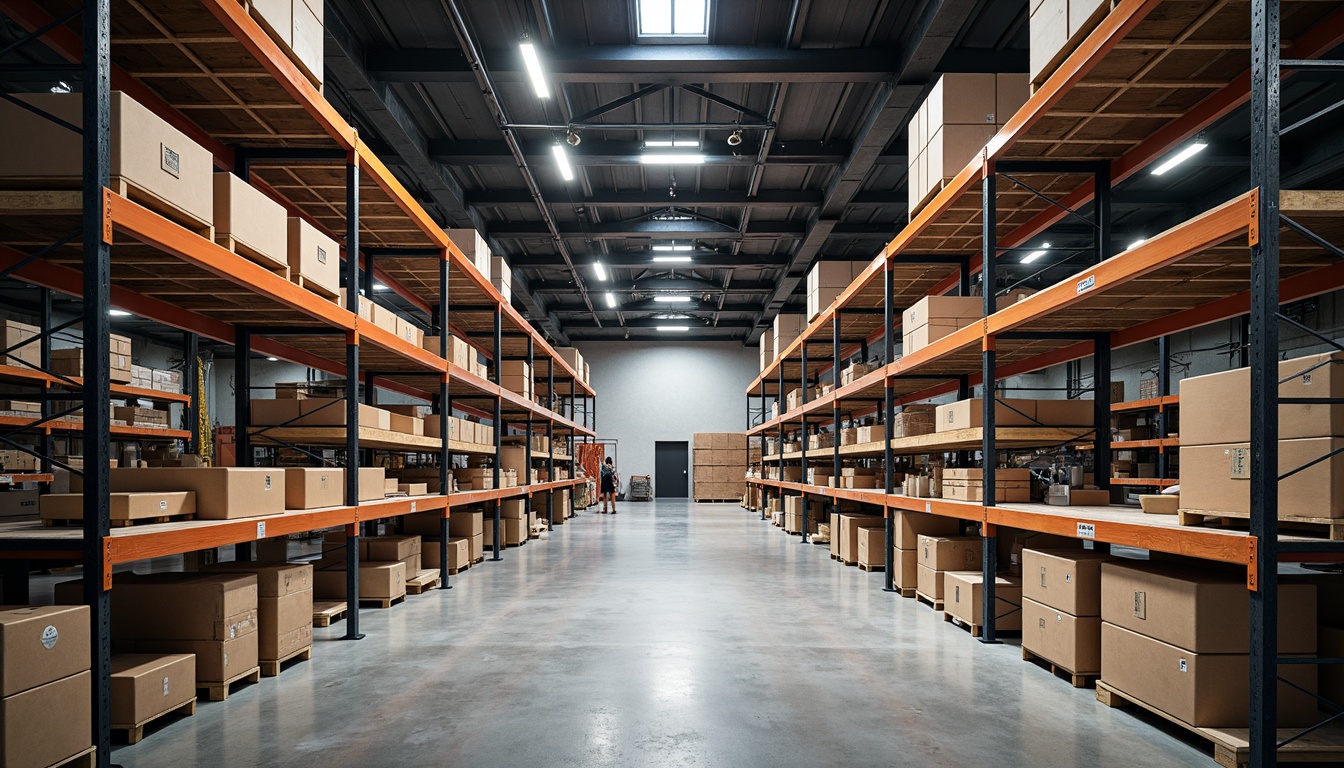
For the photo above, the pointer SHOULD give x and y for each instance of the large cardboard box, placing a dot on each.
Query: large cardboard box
(392, 548)
(950, 553)
(951, 148)
(254, 222)
(962, 99)
(406, 425)
(963, 597)
(222, 493)
(787, 327)
(146, 685)
(314, 259)
(1066, 413)
(936, 309)
(123, 506)
(767, 347)
(216, 660)
(1206, 690)
(285, 624)
(915, 339)
(1049, 37)
(185, 606)
(1216, 478)
(969, 414)
(459, 553)
(848, 527)
(41, 644)
(1216, 408)
(1067, 580)
(273, 579)
(145, 150)
(325, 411)
(1072, 642)
(19, 504)
(872, 541)
(12, 334)
(47, 724)
(384, 581)
(314, 487)
(308, 41)
(1198, 610)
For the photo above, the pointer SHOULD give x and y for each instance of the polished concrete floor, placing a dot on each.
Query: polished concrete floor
(673, 634)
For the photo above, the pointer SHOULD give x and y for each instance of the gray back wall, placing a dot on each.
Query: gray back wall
(654, 391)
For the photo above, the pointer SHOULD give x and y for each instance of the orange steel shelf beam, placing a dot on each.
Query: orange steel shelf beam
(1151, 404)
(29, 375)
(57, 425)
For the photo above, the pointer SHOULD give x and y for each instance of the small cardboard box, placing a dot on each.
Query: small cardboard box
(1072, 642)
(385, 581)
(872, 541)
(12, 334)
(47, 724)
(1067, 580)
(905, 574)
(393, 548)
(314, 259)
(372, 483)
(314, 487)
(42, 644)
(222, 493)
(406, 425)
(413, 489)
(146, 685)
(969, 414)
(167, 381)
(124, 506)
(963, 597)
(1198, 610)
(252, 221)
(1206, 690)
(950, 553)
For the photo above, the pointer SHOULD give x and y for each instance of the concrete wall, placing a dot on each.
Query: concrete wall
(654, 391)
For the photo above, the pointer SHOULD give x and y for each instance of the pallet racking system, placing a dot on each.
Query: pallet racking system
(212, 72)
(1081, 132)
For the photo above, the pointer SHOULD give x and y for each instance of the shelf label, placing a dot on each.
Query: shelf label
(6, 479)
(261, 529)
(1087, 531)
(1087, 284)
(412, 506)
(928, 506)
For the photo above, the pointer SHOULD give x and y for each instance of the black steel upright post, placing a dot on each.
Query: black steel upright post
(44, 360)
(97, 153)
(783, 404)
(802, 379)
(989, 255)
(765, 493)
(1101, 410)
(242, 396)
(550, 441)
(192, 384)
(352, 401)
(527, 447)
(888, 416)
(499, 422)
(1264, 348)
(445, 423)
(835, 412)
(1163, 411)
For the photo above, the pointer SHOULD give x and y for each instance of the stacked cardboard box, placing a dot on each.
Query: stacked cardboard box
(847, 525)
(377, 580)
(142, 377)
(1177, 639)
(967, 484)
(719, 465)
(767, 347)
(516, 376)
(934, 317)
(407, 550)
(961, 114)
(70, 362)
(574, 358)
(513, 526)
(1057, 27)
(1216, 454)
(147, 685)
(963, 599)
(794, 506)
(249, 223)
(298, 26)
(1061, 607)
(907, 527)
(284, 606)
(872, 550)
(44, 684)
(940, 554)
(826, 280)
(12, 334)
(502, 277)
(168, 381)
(786, 329)
(855, 371)
(315, 412)
(473, 246)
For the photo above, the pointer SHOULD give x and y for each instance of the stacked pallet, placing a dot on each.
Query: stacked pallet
(719, 465)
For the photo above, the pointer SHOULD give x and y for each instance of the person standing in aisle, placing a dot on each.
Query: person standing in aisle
(608, 486)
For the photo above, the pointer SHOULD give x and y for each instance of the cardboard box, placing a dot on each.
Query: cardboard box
(216, 660)
(1216, 478)
(145, 686)
(1206, 690)
(950, 149)
(477, 547)
(1072, 642)
(18, 504)
(1065, 413)
(124, 506)
(767, 348)
(950, 553)
(969, 414)
(377, 581)
(459, 553)
(273, 579)
(929, 582)
(963, 597)
(501, 277)
(372, 483)
(848, 525)
(285, 624)
(393, 548)
(314, 259)
(406, 425)
(12, 334)
(222, 493)
(47, 724)
(323, 411)
(915, 339)
(1048, 27)
(166, 381)
(1067, 580)
(905, 574)
(413, 489)
(1198, 610)
(872, 540)
(185, 606)
(473, 246)
(307, 43)
(145, 150)
(314, 487)
(42, 644)
(1215, 409)
(247, 221)
(466, 523)
(943, 309)
(962, 99)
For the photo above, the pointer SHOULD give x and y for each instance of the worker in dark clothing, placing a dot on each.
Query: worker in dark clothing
(608, 486)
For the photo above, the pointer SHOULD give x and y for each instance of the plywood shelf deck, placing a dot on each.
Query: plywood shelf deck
(1146, 482)
(1150, 404)
(17, 374)
(954, 440)
(116, 431)
(369, 437)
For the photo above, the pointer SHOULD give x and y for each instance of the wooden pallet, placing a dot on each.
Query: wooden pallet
(872, 568)
(905, 591)
(87, 758)
(327, 612)
(271, 667)
(933, 603)
(121, 523)
(1076, 679)
(383, 602)
(320, 290)
(427, 579)
(819, 539)
(1232, 746)
(220, 691)
(715, 501)
(455, 571)
(262, 260)
(1329, 527)
(129, 190)
(136, 732)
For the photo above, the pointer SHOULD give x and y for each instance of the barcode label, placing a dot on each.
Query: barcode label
(1087, 531)
(1087, 284)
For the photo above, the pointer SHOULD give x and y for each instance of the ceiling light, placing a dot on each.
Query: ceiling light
(600, 270)
(573, 138)
(61, 87)
(562, 160)
(273, 359)
(687, 143)
(673, 328)
(658, 143)
(534, 69)
(611, 300)
(1034, 255)
(1137, 243)
(735, 138)
(379, 287)
(118, 313)
(672, 259)
(672, 247)
(1180, 157)
(671, 158)
(672, 299)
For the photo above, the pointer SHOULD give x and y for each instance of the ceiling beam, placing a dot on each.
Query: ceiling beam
(649, 305)
(611, 152)
(738, 287)
(671, 64)
(638, 199)
(644, 260)
(693, 228)
(695, 323)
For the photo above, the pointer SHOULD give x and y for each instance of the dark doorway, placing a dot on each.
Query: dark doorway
(670, 463)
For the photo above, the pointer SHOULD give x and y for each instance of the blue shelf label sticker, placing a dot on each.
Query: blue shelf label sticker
(928, 506)
(1087, 531)
(261, 529)
(1087, 284)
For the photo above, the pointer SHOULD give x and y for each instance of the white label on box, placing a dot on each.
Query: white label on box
(49, 637)
(268, 482)
(1183, 666)
(163, 506)
(321, 255)
(170, 161)
(1141, 605)
(1087, 284)
(1087, 531)
(1239, 463)
(1306, 379)
(261, 529)
(165, 687)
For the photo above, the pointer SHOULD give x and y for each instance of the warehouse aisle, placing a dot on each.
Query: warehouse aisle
(670, 635)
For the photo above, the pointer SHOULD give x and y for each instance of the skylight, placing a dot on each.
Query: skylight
(672, 20)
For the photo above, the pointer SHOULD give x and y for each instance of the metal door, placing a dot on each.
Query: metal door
(670, 466)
